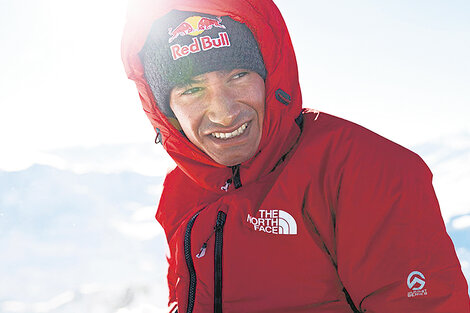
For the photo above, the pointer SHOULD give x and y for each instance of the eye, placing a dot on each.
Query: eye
(191, 91)
(240, 75)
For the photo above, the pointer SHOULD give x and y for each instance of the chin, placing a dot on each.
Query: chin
(233, 160)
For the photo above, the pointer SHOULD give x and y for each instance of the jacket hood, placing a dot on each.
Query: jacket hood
(283, 96)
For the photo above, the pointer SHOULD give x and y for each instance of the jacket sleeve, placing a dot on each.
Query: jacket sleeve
(172, 278)
(168, 220)
(393, 252)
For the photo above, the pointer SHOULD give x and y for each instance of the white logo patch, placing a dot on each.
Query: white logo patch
(416, 282)
(274, 222)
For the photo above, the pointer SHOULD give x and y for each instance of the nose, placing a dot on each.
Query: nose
(223, 108)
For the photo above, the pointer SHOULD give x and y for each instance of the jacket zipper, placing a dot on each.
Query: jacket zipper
(190, 264)
(237, 182)
(219, 239)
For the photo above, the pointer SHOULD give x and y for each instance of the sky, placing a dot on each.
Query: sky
(399, 68)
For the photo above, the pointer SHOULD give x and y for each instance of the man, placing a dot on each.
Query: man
(275, 208)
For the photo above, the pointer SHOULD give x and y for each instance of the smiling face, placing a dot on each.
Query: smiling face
(222, 113)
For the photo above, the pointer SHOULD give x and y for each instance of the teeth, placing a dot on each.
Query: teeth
(235, 133)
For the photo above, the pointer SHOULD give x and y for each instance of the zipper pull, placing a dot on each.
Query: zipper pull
(227, 184)
(219, 224)
(202, 252)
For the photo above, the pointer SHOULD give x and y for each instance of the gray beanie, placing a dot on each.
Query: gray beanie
(182, 45)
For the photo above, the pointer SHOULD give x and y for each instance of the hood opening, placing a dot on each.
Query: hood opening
(270, 32)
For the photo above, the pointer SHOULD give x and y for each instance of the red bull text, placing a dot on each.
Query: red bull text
(199, 44)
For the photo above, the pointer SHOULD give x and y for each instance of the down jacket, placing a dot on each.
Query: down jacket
(326, 217)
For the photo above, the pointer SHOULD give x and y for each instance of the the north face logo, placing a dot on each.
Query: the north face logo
(273, 222)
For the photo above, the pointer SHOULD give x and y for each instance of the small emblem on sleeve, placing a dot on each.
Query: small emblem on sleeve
(416, 282)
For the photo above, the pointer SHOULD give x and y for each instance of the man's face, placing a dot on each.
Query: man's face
(222, 113)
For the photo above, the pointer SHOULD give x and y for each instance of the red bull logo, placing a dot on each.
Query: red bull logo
(199, 44)
(194, 26)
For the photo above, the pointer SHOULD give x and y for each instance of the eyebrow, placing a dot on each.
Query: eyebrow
(188, 82)
(196, 80)
(193, 80)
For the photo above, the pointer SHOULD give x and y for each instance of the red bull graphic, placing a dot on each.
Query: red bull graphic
(199, 44)
(194, 26)
(182, 29)
(207, 23)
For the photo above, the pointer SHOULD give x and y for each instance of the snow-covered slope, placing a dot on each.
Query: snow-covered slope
(80, 243)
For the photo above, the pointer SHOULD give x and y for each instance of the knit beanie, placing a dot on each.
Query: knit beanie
(182, 45)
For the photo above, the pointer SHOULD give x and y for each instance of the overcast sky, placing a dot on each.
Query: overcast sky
(400, 68)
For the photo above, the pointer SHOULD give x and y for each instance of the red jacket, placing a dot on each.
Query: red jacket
(326, 217)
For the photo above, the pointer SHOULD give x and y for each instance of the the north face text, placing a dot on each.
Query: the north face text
(273, 222)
